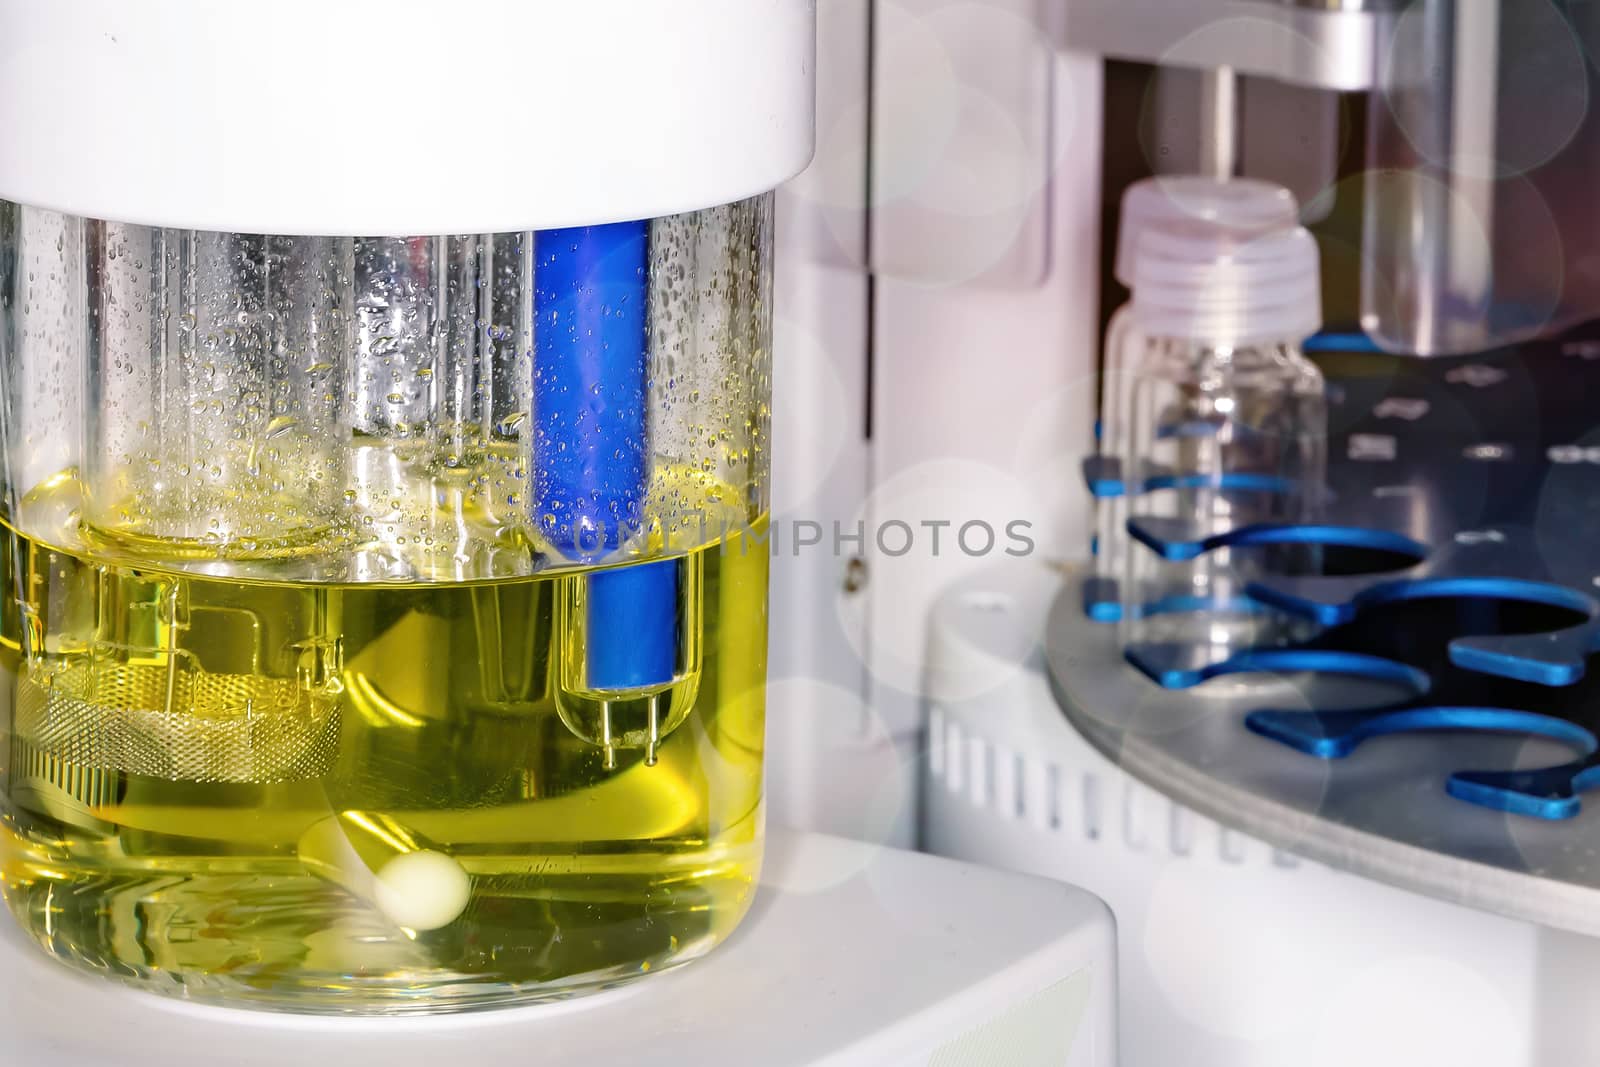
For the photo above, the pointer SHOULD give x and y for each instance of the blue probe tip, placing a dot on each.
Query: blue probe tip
(632, 631)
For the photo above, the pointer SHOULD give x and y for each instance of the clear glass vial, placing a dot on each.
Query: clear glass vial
(1226, 428)
(1241, 206)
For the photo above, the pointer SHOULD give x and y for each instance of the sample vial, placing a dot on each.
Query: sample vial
(1240, 206)
(1226, 426)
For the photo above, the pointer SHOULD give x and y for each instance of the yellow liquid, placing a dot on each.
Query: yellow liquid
(204, 780)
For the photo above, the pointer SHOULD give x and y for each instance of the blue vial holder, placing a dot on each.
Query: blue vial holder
(1482, 499)
(1102, 475)
(1180, 541)
(1550, 793)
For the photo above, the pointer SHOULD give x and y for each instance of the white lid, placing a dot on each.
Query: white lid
(1193, 280)
(399, 117)
(1239, 203)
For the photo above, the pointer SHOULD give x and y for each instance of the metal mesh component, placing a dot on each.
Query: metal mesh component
(231, 727)
(87, 787)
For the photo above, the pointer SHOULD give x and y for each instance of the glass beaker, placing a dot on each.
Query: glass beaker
(385, 618)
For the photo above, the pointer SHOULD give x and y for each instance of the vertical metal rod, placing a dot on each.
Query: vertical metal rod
(655, 731)
(1426, 278)
(1219, 123)
(170, 640)
(1474, 122)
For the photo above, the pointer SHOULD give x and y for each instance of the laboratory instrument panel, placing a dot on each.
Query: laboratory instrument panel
(1364, 782)
(385, 396)
(1360, 777)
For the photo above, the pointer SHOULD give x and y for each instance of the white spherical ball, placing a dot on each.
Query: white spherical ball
(422, 890)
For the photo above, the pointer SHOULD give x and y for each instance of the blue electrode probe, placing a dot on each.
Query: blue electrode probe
(592, 456)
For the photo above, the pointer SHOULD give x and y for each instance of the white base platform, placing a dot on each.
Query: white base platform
(853, 955)
(1233, 954)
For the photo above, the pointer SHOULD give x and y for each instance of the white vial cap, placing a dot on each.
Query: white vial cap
(1195, 281)
(1235, 204)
